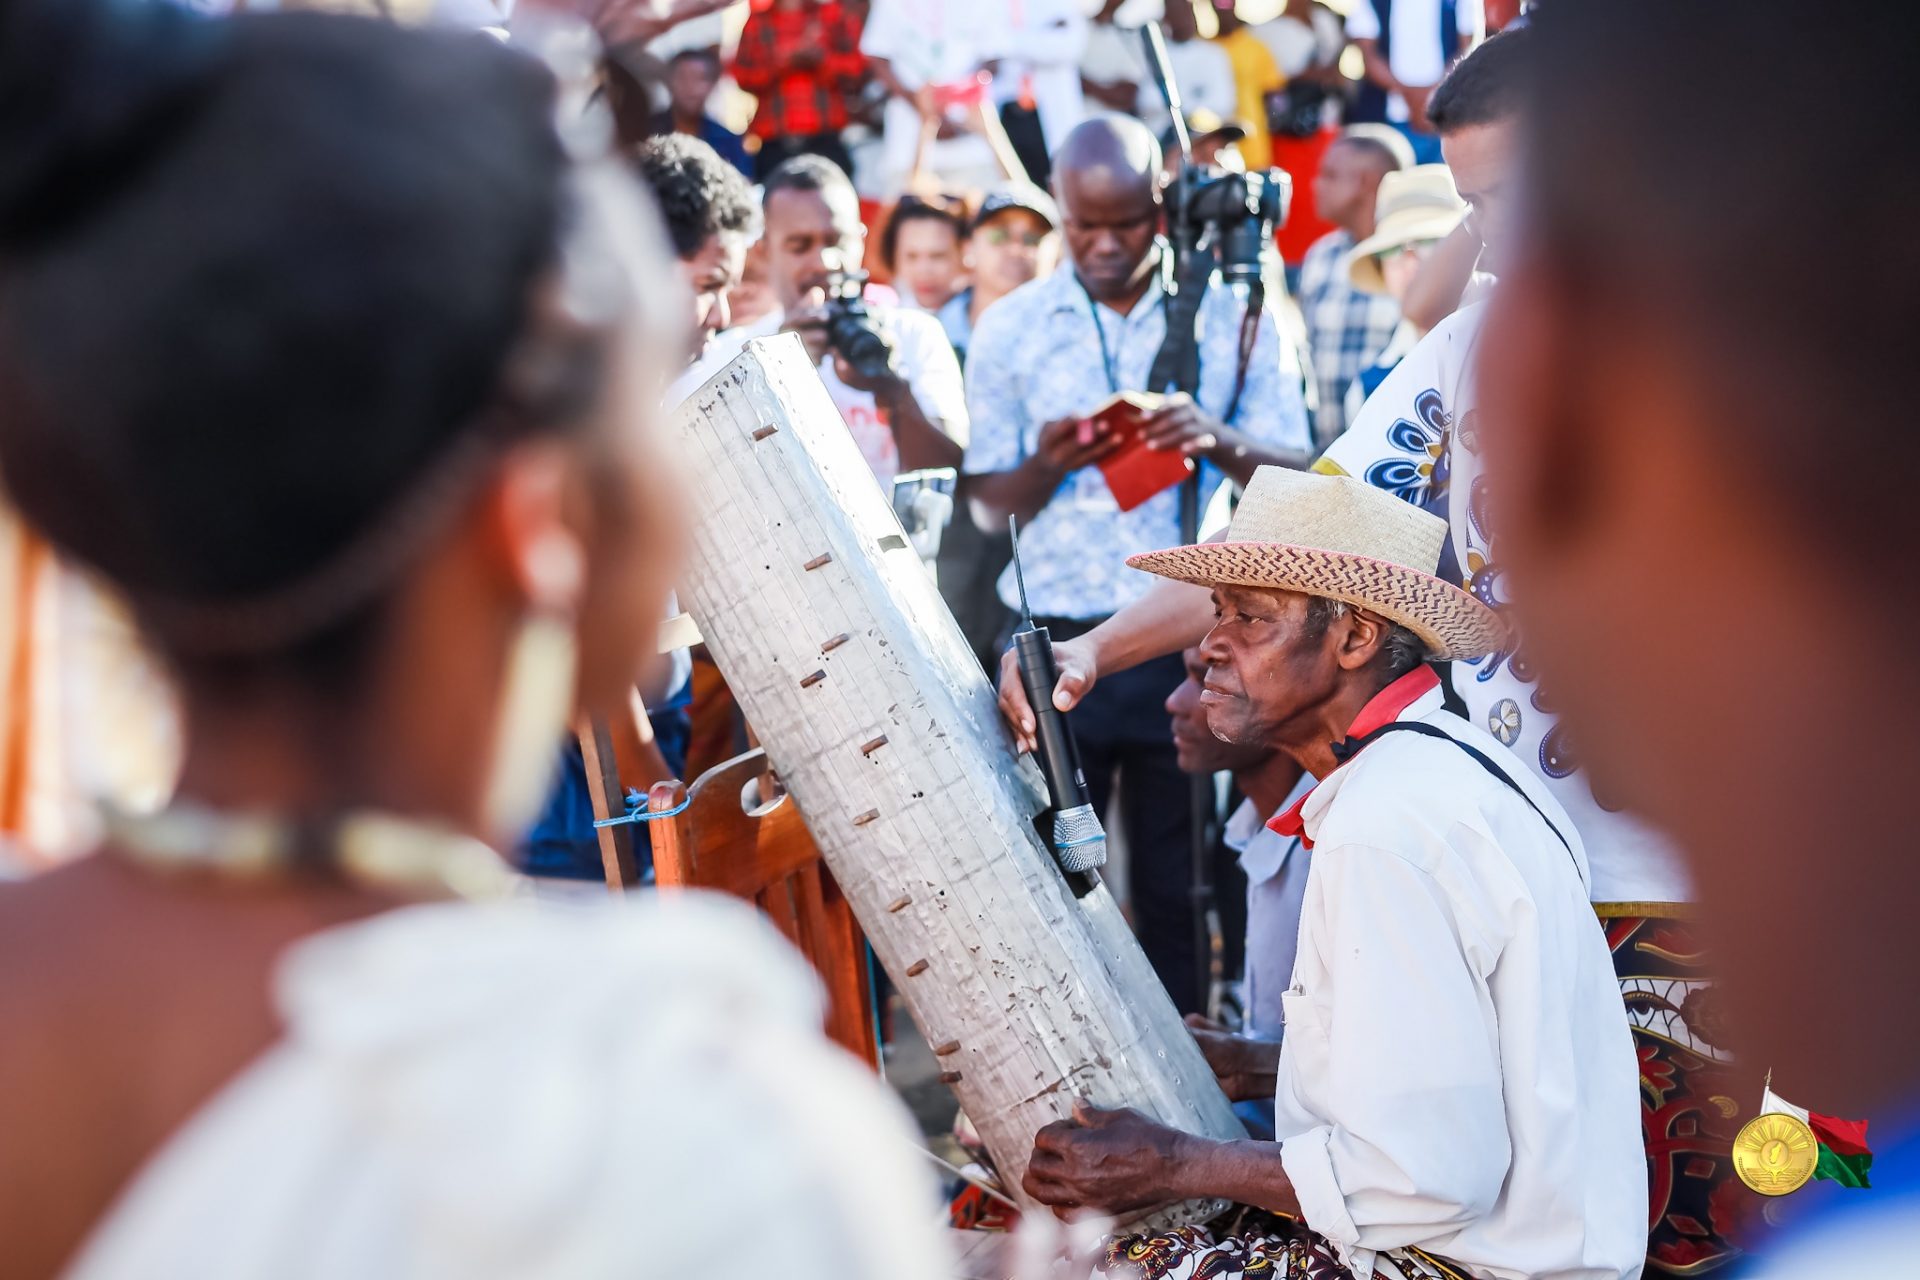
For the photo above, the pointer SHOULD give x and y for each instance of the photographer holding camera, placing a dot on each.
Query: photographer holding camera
(891, 371)
(1044, 359)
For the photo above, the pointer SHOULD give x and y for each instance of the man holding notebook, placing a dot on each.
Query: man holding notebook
(1068, 436)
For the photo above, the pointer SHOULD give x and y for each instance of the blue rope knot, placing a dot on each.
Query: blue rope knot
(637, 812)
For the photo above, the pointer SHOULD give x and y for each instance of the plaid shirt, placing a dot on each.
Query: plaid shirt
(1346, 329)
(800, 101)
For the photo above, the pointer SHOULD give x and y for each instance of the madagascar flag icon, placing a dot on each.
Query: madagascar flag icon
(1844, 1157)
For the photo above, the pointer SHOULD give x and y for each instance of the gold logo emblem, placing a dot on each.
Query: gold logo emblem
(1775, 1154)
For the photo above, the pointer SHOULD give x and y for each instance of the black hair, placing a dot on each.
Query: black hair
(807, 173)
(1784, 273)
(259, 277)
(1488, 86)
(949, 211)
(700, 194)
(697, 54)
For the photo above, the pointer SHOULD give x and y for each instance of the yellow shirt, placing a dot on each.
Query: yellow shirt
(1255, 75)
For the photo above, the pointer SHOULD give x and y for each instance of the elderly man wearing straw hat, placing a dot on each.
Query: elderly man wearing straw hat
(1456, 1093)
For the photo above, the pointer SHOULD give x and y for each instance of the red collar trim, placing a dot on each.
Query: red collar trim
(1383, 708)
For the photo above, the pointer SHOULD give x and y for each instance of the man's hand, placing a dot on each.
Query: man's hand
(1246, 1068)
(809, 320)
(1183, 425)
(883, 388)
(1075, 658)
(1068, 444)
(1116, 1161)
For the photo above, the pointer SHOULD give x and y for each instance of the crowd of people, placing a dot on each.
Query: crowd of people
(337, 350)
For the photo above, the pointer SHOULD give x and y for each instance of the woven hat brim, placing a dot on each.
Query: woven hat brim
(1452, 623)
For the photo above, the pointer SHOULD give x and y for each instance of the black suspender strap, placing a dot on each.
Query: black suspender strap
(1345, 751)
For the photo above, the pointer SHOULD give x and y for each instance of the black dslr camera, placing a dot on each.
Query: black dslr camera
(852, 329)
(1236, 213)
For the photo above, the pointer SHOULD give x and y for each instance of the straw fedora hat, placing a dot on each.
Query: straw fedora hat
(1413, 205)
(1342, 538)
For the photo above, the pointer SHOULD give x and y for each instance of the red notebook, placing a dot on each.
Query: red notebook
(1134, 472)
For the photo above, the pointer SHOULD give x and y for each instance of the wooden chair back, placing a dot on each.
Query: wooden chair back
(765, 854)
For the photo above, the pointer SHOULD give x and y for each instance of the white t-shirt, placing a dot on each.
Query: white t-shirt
(1114, 55)
(1419, 425)
(1414, 51)
(921, 353)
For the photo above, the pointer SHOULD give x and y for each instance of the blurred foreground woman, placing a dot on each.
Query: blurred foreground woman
(316, 346)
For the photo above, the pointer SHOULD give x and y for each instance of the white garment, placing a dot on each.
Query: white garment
(922, 355)
(463, 1092)
(1204, 73)
(1426, 406)
(1457, 1073)
(1202, 69)
(1414, 53)
(932, 42)
(1039, 44)
(1297, 46)
(1276, 867)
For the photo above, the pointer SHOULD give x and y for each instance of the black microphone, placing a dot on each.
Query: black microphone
(1079, 842)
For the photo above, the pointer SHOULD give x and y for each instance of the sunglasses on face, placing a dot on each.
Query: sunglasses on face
(1006, 235)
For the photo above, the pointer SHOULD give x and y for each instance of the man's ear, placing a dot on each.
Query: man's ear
(1358, 636)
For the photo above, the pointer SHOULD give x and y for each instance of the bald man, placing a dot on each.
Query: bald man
(1044, 358)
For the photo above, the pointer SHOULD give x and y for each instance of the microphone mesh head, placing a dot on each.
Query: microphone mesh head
(1079, 842)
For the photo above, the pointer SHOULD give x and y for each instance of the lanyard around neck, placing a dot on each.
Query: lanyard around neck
(1100, 332)
(1107, 356)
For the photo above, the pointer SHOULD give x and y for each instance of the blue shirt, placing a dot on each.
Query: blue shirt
(1037, 355)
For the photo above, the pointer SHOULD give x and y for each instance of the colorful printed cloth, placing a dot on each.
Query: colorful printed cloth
(1257, 1246)
(1693, 1102)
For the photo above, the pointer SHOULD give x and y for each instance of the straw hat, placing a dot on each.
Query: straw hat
(1413, 205)
(1342, 538)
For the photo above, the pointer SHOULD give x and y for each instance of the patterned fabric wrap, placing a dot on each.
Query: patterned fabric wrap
(1256, 1246)
(1688, 1091)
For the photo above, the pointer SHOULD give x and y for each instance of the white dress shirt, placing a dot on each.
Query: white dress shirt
(1457, 1072)
(1276, 868)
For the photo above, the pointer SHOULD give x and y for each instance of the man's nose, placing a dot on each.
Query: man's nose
(1213, 651)
(720, 314)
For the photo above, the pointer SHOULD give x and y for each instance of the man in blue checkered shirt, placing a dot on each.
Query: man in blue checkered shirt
(1346, 329)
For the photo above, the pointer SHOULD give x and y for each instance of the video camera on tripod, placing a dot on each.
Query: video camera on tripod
(1218, 221)
(1224, 217)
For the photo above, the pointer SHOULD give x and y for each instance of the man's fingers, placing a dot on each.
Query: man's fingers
(1067, 693)
(1201, 1022)
(1052, 1139)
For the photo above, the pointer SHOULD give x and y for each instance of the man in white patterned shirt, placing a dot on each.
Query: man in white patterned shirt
(1346, 328)
(1043, 358)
